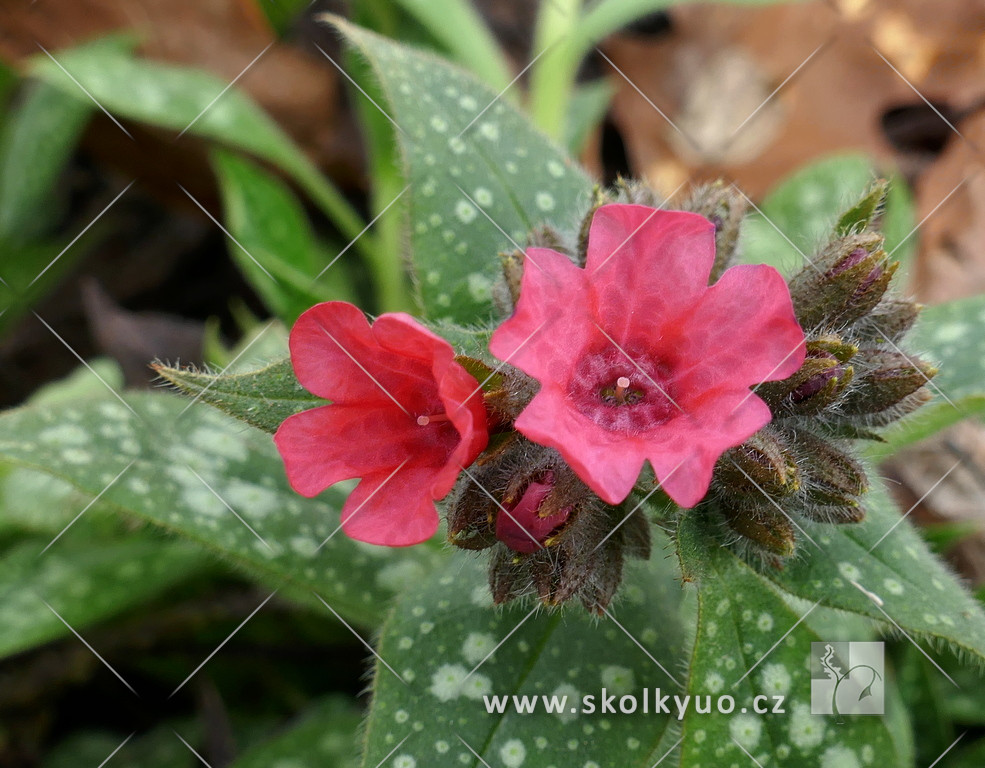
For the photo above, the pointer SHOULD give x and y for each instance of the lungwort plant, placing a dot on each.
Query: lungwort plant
(655, 457)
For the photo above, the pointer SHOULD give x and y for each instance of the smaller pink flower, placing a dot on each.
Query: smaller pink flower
(639, 359)
(405, 417)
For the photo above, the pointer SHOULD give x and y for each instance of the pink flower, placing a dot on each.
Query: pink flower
(405, 417)
(639, 359)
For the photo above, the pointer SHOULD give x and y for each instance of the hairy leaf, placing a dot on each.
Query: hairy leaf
(480, 176)
(207, 478)
(442, 641)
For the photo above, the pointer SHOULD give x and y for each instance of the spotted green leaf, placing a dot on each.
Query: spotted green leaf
(480, 176)
(951, 334)
(458, 27)
(801, 213)
(753, 647)
(207, 478)
(882, 569)
(442, 642)
(84, 582)
(262, 398)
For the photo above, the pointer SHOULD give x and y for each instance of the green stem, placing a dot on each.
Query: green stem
(552, 78)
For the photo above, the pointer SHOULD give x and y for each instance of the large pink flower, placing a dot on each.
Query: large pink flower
(405, 417)
(639, 359)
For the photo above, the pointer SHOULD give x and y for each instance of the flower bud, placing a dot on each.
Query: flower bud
(761, 464)
(891, 378)
(819, 382)
(836, 481)
(889, 320)
(525, 524)
(599, 198)
(512, 264)
(724, 207)
(846, 282)
(834, 345)
(764, 525)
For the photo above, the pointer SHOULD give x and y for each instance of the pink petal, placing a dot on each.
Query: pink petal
(336, 355)
(725, 421)
(394, 512)
(742, 332)
(646, 265)
(606, 462)
(322, 446)
(551, 323)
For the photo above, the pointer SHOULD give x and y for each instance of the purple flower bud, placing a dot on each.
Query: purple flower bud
(818, 381)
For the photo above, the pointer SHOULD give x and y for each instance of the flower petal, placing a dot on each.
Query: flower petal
(742, 331)
(606, 462)
(394, 509)
(551, 322)
(684, 462)
(324, 445)
(646, 265)
(336, 355)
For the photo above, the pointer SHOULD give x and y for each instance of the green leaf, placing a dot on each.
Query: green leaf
(952, 333)
(35, 145)
(897, 579)
(84, 583)
(274, 244)
(158, 748)
(262, 398)
(899, 223)
(323, 735)
(444, 627)
(860, 215)
(23, 262)
(180, 98)
(738, 651)
(804, 208)
(498, 170)
(383, 155)
(566, 36)
(183, 466)
(458, 27)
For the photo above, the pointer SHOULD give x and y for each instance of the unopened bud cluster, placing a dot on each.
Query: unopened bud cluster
(856, 378)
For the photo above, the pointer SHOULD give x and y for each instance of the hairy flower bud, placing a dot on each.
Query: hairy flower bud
(724, 207)
(818, 384)
(549, 535)
(889, 321)
(836, 479)
(526, 521)
(844, 283)
(763, 525)
(762, 464)
(890, 379)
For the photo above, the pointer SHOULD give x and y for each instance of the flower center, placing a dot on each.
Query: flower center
(629, 392)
